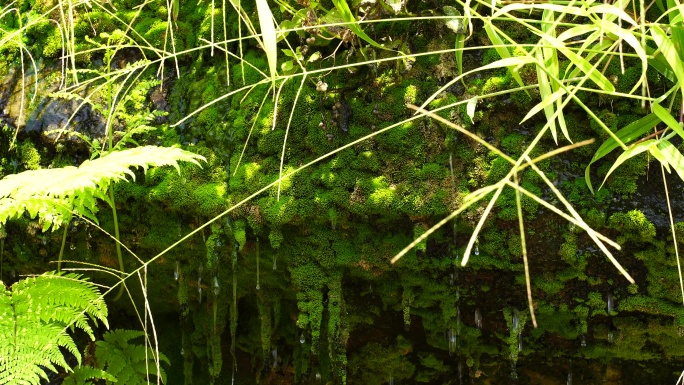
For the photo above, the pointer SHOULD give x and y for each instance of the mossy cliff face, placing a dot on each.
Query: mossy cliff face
(295, 285)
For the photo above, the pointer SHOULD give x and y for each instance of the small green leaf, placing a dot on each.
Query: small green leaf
(314, 56)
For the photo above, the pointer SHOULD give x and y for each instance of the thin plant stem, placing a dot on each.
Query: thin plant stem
(672, 228)
(61, 249)
(524, 250)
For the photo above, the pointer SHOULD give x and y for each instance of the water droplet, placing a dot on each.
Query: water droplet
(609, 303)
(302, 339)
(199, 288)
(458, 320)
(476, 249)
(182, 352)
(572, 227)
(583, 340)
(478, 319)
(176, 271)
(216, 286)
(258, 287)
(72, 247)
(318, 376)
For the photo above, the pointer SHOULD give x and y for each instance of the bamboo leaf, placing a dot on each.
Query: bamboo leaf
(670, 53)
(546, 94)
(268, 34)
(547, 101)
(630, 153)
(667, 118)
(673, 156)
(502, 50)
(629, 133)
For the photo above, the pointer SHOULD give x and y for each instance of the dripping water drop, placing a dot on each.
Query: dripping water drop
(216, 286)
(72, 247)
(176, 271)
(583, 341)
(476, 249)
(478, 318)
(302, 339)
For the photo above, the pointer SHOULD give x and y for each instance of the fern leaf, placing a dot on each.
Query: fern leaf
(54, 194)
(128, 362)
(82, 375)
(34, 318)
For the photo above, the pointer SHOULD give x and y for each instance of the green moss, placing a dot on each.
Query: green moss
(633, 226)
(28, 155)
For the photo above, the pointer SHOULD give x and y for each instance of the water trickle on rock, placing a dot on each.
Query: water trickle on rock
(216, 286)
(520, 344)
(515, 319)
(478, 319)
(257, 263)
(458, 320)
(583, 341)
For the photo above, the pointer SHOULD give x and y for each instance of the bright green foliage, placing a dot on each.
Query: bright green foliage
(129, 363)
(83, 374)
(52, 194)
(34, 318)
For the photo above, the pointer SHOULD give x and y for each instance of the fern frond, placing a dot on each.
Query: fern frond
(54, 194)
(82, 375)
(128, 362)
(34, 318)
